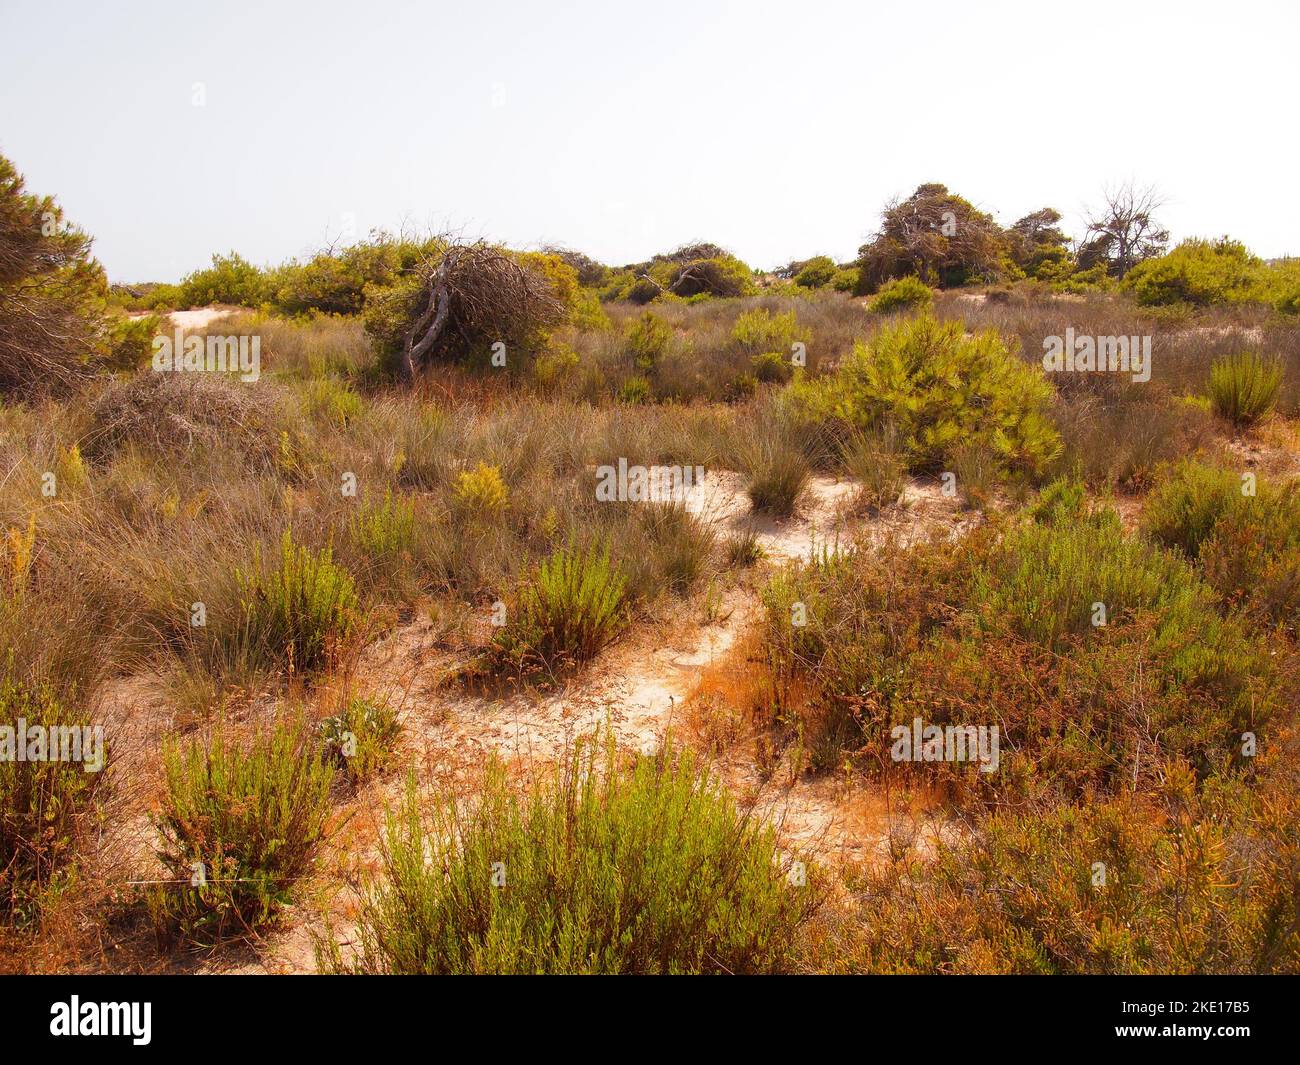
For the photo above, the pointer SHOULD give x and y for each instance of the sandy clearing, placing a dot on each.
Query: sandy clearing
(196, 318)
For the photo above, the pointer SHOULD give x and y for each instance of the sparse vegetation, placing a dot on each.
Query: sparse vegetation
(899, 517)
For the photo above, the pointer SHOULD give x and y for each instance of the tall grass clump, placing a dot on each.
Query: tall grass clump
(1244, 387)
(679, 545)
(303, 607)
(873, 460)
(647, 868)
(776, 473)
(238, 825)
(568, 612)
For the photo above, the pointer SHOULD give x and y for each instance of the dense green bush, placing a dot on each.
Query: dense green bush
(230, 279)
(604, 868)
(647, 339)
(902, 293)
(937, 388)
(817, 272)
(1201, 273)
(54, 331)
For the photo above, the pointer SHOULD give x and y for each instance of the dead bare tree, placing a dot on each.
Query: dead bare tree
(1124, 231)
(475, 294)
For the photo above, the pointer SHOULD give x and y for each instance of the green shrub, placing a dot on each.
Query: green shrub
(1199, 272)
(1243, 388)
(605, 868)
(817, 272)
(722, 275)
(568, 612)
(759, 331)
(43, 803)
(902, 293)
(303, 608)
(937, 388)
(230, 279)
(332, 401)
(647, 340)
(1062, 500)
(480, 491)
(1188, 501)
(1045, 579)
(845, 280)
(384, 531)
(772, 367)
(634, 391)
(238, 825)
(359, 739)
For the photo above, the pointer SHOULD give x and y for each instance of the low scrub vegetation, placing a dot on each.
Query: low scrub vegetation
(239, 825)
(602, 868)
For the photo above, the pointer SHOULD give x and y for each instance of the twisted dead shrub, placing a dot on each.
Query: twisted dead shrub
(469, 298)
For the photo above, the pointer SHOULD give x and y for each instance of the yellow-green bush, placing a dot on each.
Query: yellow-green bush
(902, 293)
(936, 388)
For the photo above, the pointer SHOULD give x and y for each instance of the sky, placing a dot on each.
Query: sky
(174, 130)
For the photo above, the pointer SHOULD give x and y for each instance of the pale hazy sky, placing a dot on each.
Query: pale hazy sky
(777, 129)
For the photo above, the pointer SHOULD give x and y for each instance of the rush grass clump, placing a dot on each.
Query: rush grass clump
(607, 868)
(1244, 387)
